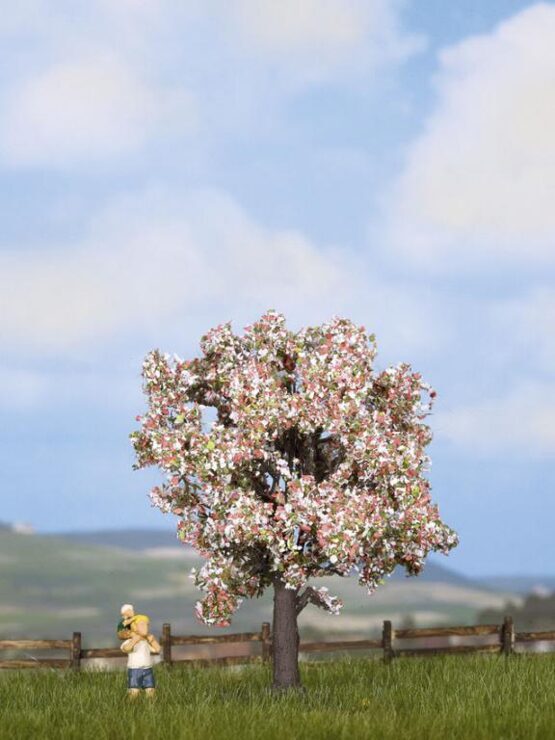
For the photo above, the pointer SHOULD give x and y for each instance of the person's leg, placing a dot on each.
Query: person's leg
(133, 683)
(149, 684)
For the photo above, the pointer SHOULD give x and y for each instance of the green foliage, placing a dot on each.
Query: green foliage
(455, 697)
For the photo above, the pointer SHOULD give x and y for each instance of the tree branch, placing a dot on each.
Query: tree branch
(304, 598)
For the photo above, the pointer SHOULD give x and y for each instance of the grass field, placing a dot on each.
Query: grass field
(474, 697)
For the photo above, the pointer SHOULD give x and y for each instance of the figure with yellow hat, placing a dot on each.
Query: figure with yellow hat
(139, 645)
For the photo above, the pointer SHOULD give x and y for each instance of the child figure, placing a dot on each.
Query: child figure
(139, 645)
(134, 627)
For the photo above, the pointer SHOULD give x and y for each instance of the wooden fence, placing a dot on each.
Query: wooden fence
(167, 642)
(504, 643)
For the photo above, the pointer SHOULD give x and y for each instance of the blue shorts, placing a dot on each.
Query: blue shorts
(140, 678)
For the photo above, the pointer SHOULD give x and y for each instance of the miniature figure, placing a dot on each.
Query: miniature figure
(139, 645)
(137, 624)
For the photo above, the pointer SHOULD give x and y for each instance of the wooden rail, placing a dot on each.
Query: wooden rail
(35, 644)
(390, 643)
(216, 639)
(101, 653)
(317, 647)
(446, 650)
(169, 640)
(44, 663)
(417, 633)
(229, 660)
(534, 636)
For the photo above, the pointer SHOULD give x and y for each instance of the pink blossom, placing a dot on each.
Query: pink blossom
(315, 464)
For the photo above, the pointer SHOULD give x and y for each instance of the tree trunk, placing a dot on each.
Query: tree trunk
(285, 638)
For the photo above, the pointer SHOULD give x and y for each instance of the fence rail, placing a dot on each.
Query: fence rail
(507, 638)
(473, 630)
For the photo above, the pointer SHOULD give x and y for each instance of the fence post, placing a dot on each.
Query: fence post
(387, 640)
(508, 636)
(266, 642)
(166, 643)
(75, 659)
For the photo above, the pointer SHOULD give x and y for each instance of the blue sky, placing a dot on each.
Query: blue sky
(163, 170)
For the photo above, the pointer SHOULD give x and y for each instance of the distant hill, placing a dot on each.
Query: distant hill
(152, 539)
(519, 584)
(437, 573)
(20, 527)
(149, 539)
(53, 585)
(128, 539)
(535, 614)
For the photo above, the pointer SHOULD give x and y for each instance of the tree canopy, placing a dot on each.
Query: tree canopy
(313, 463)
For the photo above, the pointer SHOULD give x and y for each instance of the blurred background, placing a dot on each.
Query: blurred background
(164, 169)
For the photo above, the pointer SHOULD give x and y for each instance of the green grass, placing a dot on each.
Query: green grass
(474, 697)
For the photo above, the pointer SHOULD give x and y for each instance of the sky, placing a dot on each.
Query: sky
(166, 167)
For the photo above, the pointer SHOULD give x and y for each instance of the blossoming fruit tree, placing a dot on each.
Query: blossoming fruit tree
(311, 463)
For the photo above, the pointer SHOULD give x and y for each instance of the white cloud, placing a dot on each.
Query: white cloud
(479, 181)
(313, 24)
(102, 79)
(520, 424)
(147, 257)
(84, 111)
(47, 21)
(155, 262)
(312, 40)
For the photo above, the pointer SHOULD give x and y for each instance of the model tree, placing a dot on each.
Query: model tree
(311, 464)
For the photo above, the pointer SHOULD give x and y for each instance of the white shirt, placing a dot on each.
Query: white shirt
(141, 656)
